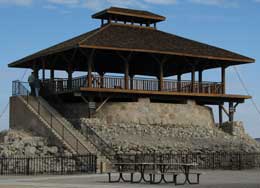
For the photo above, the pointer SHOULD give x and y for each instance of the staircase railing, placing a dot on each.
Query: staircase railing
(102, 146)
(20, 89)
(105, 149)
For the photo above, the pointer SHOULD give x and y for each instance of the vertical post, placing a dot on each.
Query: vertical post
(179, 82)
(90, 61)
(231, 111)
(69, 77)
(101, 74)
(160, 77)
(51, 86)
(52, 74)
(200, 81)
(132, 81)
(43, 71)
(220, 115)
(193, 79)
(155, 25)
(223, 79)
(126, 74)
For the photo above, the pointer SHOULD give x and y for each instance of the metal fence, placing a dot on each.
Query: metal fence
(226, 161)
(59, 165)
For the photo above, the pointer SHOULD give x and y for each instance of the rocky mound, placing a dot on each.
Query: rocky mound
(146, 138)
(20, 143)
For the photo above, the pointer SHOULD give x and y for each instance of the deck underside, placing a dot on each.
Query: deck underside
(100, 94)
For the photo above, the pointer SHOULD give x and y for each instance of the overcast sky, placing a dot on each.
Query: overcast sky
(27, 26)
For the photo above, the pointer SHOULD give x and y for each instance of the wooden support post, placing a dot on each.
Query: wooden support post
(101, 74)
(193, 80)
(231, 111)
(43, 71)
(200, 81)
(223, 79)
(220, 115)
(126, 74)
(179, 82)
(90, 63)
(52, 75)
(160, 77)
(69, 77)
(132, 81)
(51, 79)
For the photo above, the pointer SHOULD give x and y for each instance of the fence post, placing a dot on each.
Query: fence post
(213, 161)
(27, 166)
(2, 166)
(62, 165)
(239, 161)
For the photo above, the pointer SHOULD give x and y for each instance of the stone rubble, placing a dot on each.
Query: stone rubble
(20, 143)
(135, 138)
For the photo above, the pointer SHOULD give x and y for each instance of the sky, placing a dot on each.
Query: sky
(27, 26)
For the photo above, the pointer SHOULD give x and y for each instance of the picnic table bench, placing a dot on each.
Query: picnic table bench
(156, 174)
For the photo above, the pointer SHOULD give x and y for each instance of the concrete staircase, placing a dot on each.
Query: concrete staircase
(71, 138)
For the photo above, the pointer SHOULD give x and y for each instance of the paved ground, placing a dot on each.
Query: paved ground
(215, 179)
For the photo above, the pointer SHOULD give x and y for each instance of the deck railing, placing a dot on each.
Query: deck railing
(141, 84)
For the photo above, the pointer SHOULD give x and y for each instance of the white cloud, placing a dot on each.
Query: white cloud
(17, 2)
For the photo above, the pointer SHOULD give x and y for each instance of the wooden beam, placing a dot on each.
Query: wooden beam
(200, 80)
(126, 67)
(231, 111)
(132, 81)
(220, 115)
(179, 82)
(223, 79)
(52, 74)
(90, 63)
(193, 79)
(126, 75)
(160, 77)
(43, 70)
(70, 71)
(101, 74)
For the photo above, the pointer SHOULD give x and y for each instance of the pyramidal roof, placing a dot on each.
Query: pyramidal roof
(128, 37)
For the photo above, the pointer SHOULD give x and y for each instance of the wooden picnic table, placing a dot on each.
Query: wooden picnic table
(161, 167)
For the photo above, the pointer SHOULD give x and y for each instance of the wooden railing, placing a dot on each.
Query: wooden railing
(143, 84)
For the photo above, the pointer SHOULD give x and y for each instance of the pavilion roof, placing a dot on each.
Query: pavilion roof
(122, 14)
(121, 37)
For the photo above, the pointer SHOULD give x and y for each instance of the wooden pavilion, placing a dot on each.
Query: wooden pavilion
(129, 43)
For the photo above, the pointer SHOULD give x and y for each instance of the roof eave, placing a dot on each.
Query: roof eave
(245, 60)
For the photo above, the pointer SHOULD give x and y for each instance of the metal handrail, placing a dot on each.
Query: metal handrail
(20, 90)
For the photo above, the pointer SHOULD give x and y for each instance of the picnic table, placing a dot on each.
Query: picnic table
(153, 170)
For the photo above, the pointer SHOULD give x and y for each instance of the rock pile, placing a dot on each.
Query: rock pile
(146, 138)
(20, 143)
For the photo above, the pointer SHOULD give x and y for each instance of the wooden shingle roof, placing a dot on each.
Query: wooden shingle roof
(130, 38)
(122, 14)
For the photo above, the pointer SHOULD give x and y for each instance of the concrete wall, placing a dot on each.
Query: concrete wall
(21, 118)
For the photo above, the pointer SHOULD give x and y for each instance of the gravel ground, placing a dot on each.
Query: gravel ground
(215, 179)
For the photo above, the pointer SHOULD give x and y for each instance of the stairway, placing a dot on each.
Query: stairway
(59, 126)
